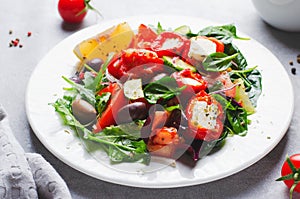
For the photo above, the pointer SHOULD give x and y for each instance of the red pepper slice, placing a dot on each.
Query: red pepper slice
(144, 37)
(204, 105)
(193, 82)
(190, 79)
(115, 67)
(219, 45)
(171, 44)
(135, 63)
(117, 101)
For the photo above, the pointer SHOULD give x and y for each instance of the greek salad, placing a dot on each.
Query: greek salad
(160, 92)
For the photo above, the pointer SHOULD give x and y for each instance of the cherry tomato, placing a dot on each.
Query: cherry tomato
(171, 44)
(117, 101)
(72, 11)
(290, 173)
(205, 117)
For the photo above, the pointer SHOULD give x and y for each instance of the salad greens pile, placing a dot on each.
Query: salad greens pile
(123, 142)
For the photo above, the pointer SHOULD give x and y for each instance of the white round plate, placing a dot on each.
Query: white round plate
(268, 125)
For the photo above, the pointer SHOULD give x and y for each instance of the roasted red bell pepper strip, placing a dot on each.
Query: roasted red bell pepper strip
(144, 37)
(117, 101)
(171, 44)
(220, 45)
(134, 63)
(190, 79)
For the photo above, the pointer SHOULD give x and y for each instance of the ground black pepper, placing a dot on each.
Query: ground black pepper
(16, 42)
(293, 70)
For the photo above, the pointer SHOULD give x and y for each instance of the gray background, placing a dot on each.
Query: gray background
(42, 19)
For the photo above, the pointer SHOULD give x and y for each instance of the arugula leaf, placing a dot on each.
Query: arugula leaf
(89, 80)
(216, 62)
(117, 143)
(225, 33)
(64, 108)
(102, 102)
(97, 86)
(84, 92)
(130, 130)
(165, 89)
(126, 143)
(118, 155)
(91, 84)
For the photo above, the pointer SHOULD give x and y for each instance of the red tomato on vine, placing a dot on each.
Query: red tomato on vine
(74, 11)
(290, 173)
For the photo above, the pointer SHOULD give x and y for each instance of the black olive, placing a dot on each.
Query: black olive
(132, 112)
(76, 79)
(95, 64)
(176, 119)
(83, 111)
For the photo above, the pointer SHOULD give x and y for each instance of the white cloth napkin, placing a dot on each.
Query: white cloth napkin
(25, 175)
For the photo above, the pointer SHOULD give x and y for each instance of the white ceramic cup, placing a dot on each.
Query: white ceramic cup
(282, 14)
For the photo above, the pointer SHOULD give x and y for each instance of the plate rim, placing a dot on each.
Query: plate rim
(170, 185)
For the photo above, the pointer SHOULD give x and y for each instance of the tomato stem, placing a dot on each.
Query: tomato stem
(88, 7)
(295, 175)
(292, 189)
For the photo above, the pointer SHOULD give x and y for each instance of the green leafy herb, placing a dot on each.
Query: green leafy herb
(216, 62)
(159, 28)
(165, 89)
(117, 141)
(64, 108)
(89, 80)
(84, 92)
(252, 81)
(97, 86)
(236, 121)
(171, 108)
(239, 61)
(102, 101)
(225, 33)
(218, 85)
(126, 147)
(212, 146)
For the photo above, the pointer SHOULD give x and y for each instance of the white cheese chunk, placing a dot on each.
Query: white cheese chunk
(133, 89)
(201, 47)
(171, 43)
(204, 115)
(190, 81)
